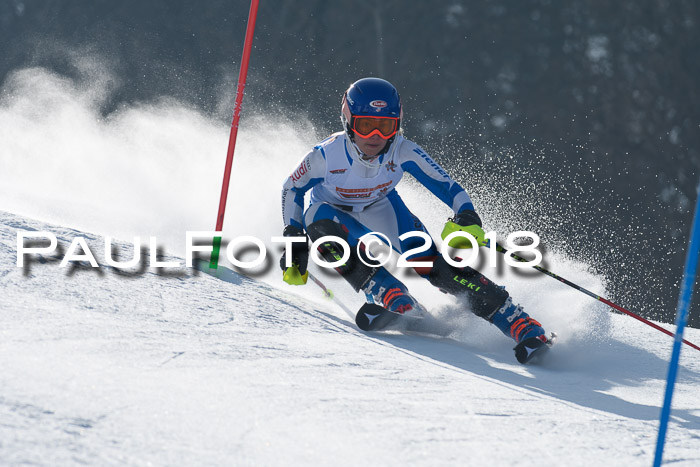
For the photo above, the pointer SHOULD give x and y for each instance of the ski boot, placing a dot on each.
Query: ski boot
(387, 298)
(389, 292)
(528, 334)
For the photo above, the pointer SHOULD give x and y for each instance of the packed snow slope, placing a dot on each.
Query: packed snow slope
(173, 367)
(181, 368)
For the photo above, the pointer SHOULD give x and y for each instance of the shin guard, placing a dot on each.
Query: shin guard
(484, 297)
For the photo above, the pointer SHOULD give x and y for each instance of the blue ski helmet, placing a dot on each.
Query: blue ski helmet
(370, 97)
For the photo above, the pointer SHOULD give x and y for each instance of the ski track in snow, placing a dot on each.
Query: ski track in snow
(106, 368)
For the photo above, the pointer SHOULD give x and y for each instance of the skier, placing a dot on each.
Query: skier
(352, 176)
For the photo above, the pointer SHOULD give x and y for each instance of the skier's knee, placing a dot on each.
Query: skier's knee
(356, 272)
(324, 227)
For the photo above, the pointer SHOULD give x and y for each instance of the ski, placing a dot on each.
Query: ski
(532, 349)
(372, 317)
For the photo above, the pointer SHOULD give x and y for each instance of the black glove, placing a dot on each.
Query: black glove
(467, 217)
(300, 251)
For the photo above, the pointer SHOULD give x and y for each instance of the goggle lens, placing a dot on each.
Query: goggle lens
(366, 127)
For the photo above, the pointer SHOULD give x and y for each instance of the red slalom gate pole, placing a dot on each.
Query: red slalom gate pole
(242, 75)
(500, 249)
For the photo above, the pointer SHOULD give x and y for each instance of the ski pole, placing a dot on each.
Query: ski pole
(500, 249)
(329, 294)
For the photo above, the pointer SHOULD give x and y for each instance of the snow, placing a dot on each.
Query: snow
(177, 367)
(187, 368)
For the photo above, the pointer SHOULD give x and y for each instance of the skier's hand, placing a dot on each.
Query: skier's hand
(296, 274)
(467, 221)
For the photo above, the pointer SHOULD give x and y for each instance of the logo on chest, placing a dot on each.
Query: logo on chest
(338, 171)
(358, 193)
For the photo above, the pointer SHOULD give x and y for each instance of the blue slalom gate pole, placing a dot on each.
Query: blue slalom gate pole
(691, 265)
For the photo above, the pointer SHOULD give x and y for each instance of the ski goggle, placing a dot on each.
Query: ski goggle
(366, 127)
